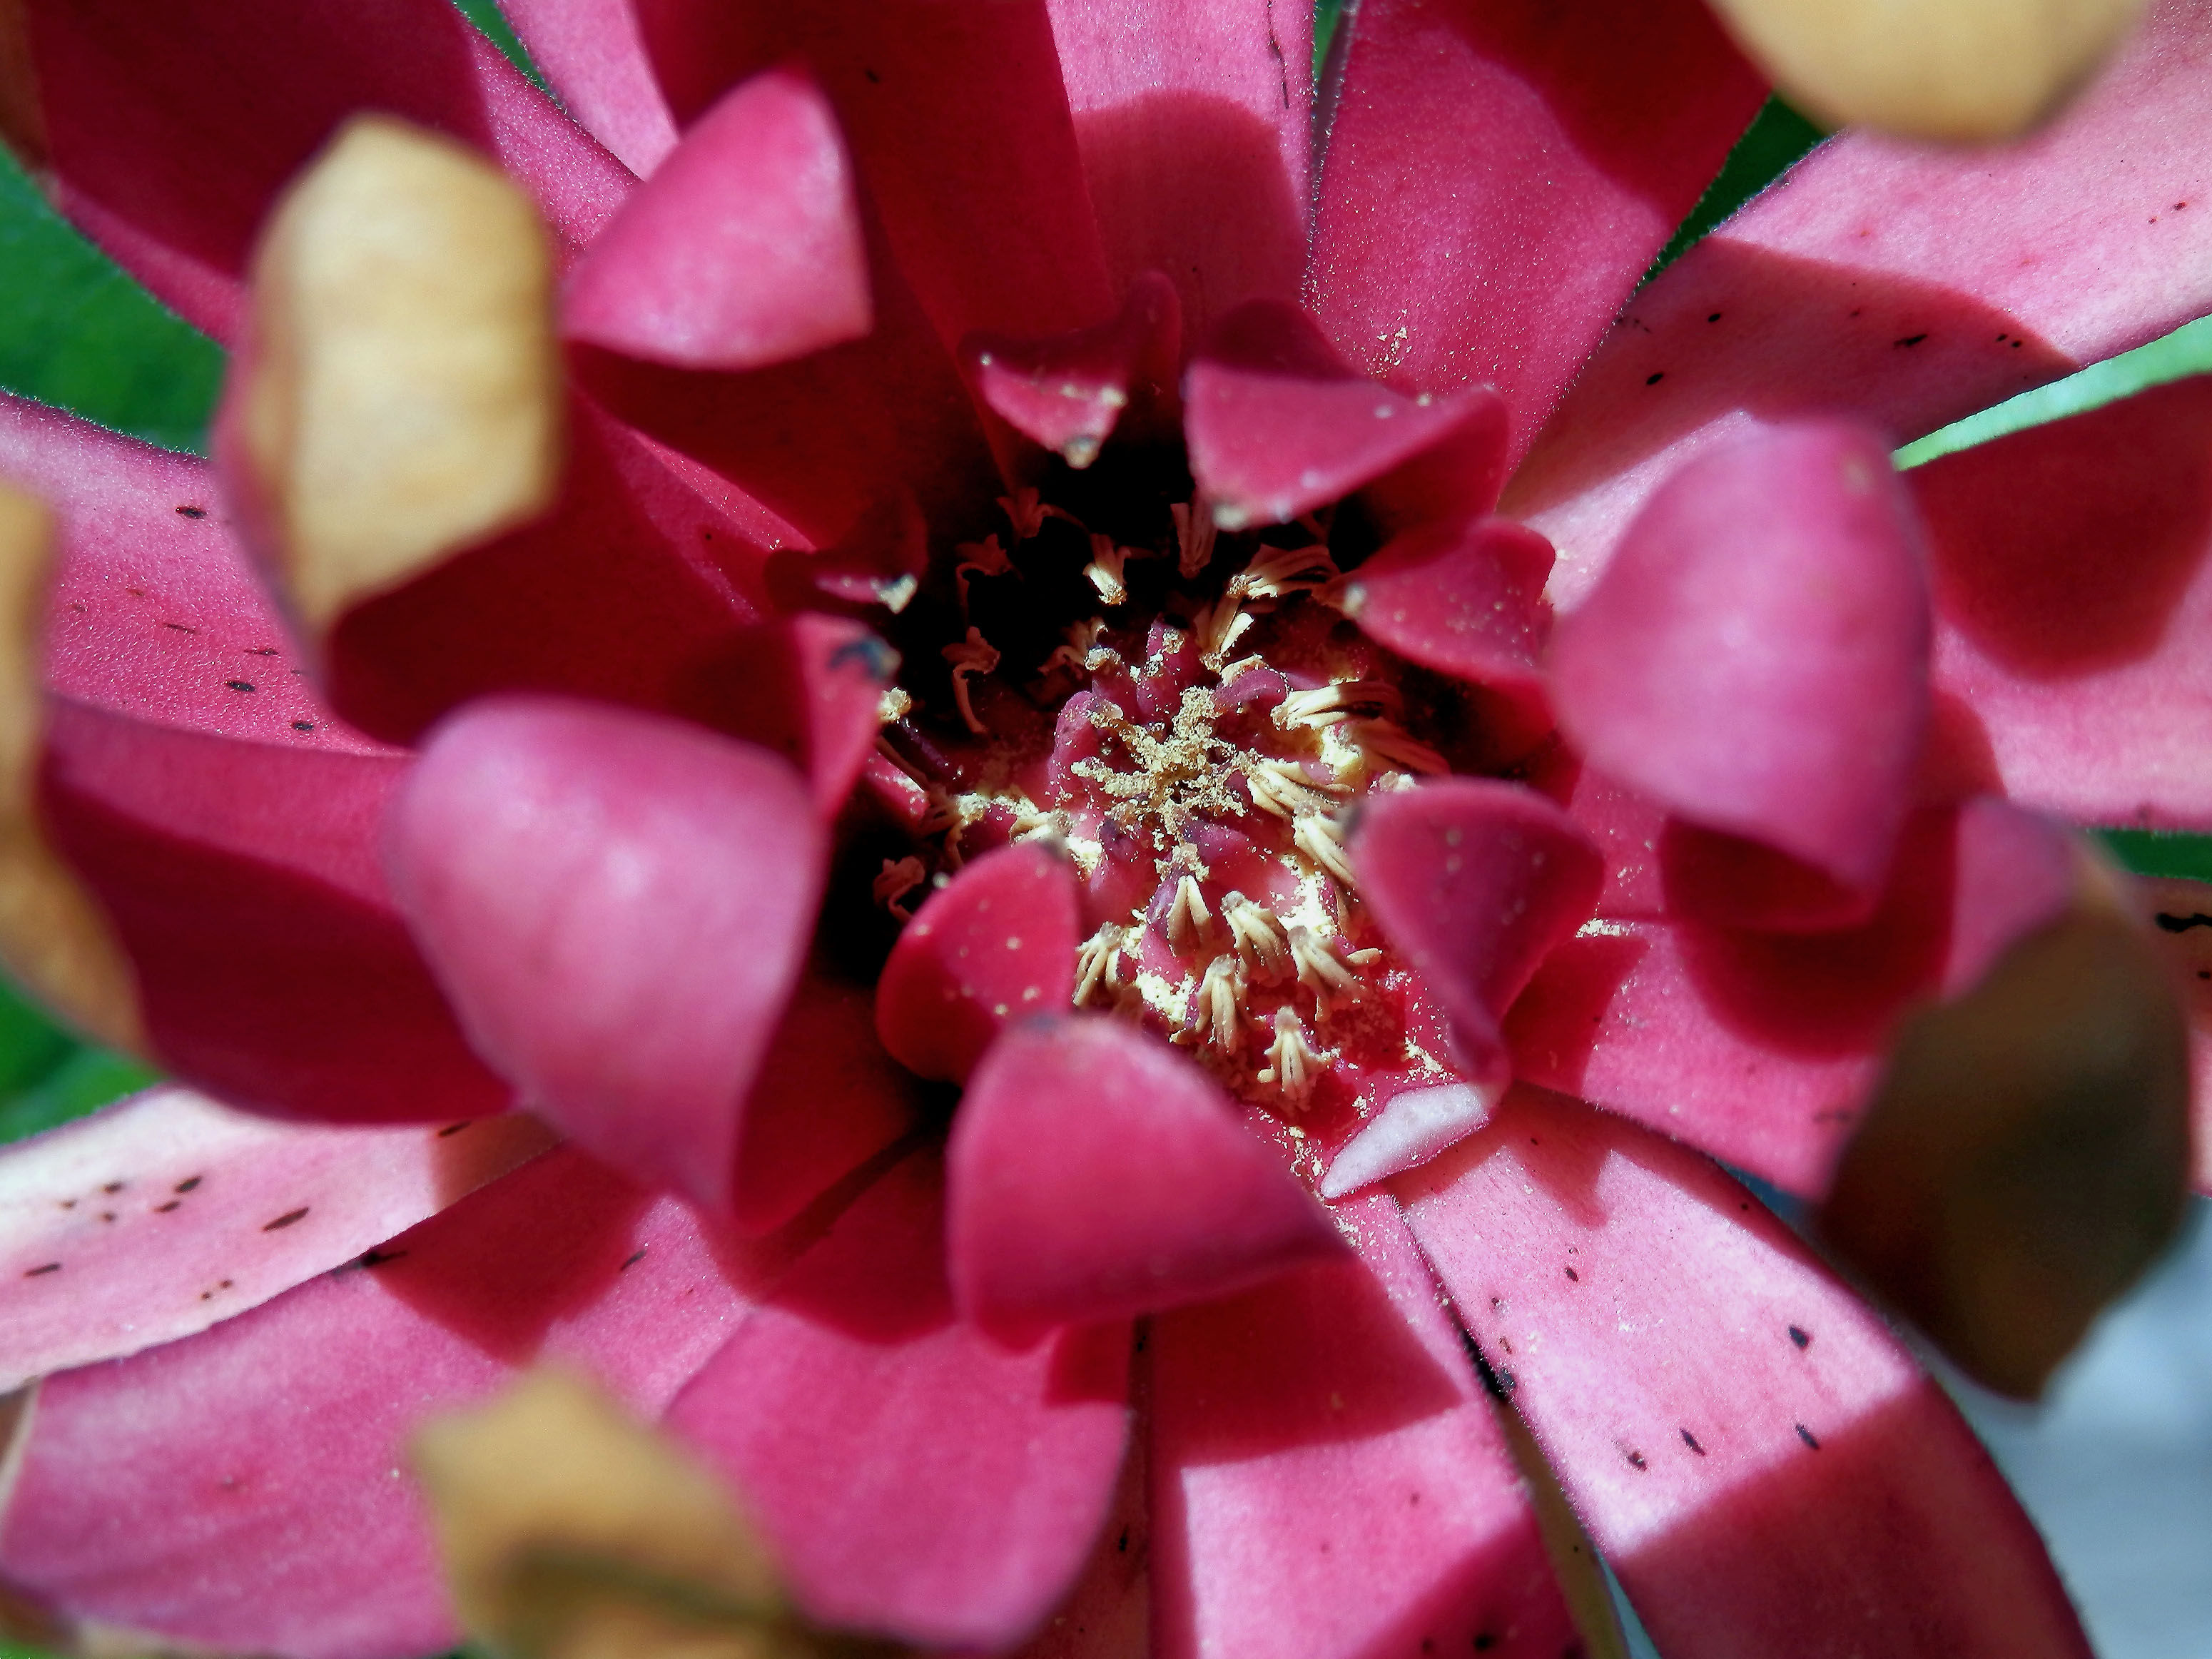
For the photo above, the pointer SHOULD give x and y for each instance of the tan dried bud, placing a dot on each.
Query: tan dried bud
(54, 940)
(1957, 70)
(401, 398)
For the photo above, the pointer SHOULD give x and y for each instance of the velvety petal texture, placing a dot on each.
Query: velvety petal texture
(618, 906)
(160, 1215)
(1465, 599)
(1759, 1459)
(1094, 1174)
(911, 1477)
(1756, 656)
(235, 1490)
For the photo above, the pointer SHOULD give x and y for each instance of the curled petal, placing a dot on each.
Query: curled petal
(1465, 599)
(1069, 391)
(1095, 1174)
(1756, 655)
(745, 248)
(618, 906)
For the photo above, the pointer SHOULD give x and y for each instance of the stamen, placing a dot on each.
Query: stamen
(913, 771)
(1391, 745)
(1219, 627)
(896, 704)
(1097, 961)
(1276, 573)
(1104, 570)
(1257, 935)
(1283, 788)
(1189, 920)
(1320, 839)
(1291, 1061)
(1215, 1014)
(983, 558)
(1027, 513)
(1326, 705)
(974, 655)
(1320, 972)
(1194, 534)
(898, 877)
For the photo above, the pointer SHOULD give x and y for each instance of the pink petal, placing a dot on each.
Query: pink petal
(236, 1491)
(1756, 655)
(1328, 1480)
(170, 128)
(1068, 393)
(746, 248)
(1095, 1174)
(618, 906)
(1277, 425)
(1193, 117)
(1758, 1457)
(1475, 882)
(996, 945)
(156, 612)
(244, 882)
(1413, 1126)
(628, 590)
(1464, 599)
(912, 1478)
(593, 53)
(1500, 175)
(2072, 597)
(827, 1098)
(112, 1226)
(959, 132)
(1108, 1615)
(1909, 285)
(1761, 1047)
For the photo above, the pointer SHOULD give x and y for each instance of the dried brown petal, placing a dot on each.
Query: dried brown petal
(400, 398)
(2026, 1155)
(1961, 71)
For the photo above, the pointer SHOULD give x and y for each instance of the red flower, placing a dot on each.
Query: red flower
(1196, 595)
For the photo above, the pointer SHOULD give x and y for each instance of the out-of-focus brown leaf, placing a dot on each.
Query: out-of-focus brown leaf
(571, 1531)
(400, 397)
(2026, 1155)
(1961, 71)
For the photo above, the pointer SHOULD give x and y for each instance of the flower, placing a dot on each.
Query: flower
(822, 359)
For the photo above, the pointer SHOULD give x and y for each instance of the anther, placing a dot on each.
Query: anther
(1257, 935)
(973, 655)
(1215, 1016)
(898, 877)
(1320, 972)
(896, 704)
(1283, 788)
(1276, 573)
(983, 558)
(1386, 741)
(1326, 705)
(1027, 513)
(1291, 1061)
(1097, 961)
(1189, 920)
(1103, 572)
(1320, 839)
(1194, 534)
(1219, 627)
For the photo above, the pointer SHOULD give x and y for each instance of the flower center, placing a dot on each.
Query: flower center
(1188, 715)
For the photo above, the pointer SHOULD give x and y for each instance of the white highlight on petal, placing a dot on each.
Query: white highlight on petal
(1412, 1127)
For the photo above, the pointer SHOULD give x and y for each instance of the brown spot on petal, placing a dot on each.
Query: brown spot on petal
(284, 1220)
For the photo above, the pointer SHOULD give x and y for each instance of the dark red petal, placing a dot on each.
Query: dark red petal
(912, 1478)
(618, 906)
(1465, 599)
(1474, 882)
(1328, 1480)
(236, 1491)
(1761, 1047)
(2073, 595)
(744, 250)
(111, 1226)
(1756, 656)
(995, 946)
(1094, 1174)
(590, 53)
(1499, 176)
(959, 131)
(1277, 426)
(1194, 120)
(244, 882)
(1906, 284)
(628, 590)
(170, 128)
(1069, 391)
(1761, 1460)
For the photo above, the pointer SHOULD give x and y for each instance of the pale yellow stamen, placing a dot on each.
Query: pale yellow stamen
(1216, 1014)
(1276, 573)
(1292, 1061)
(1326, 705)
(1219, 627)
(1103, 572)
(1283, 788)
(973, 655)
(1321, 971)
(1257, 935)
(1391, 745)
(1189, 920)
(1097, 961)
(896, 704)
(1320, 839)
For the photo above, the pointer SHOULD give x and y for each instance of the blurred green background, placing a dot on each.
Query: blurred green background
(76, 332)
